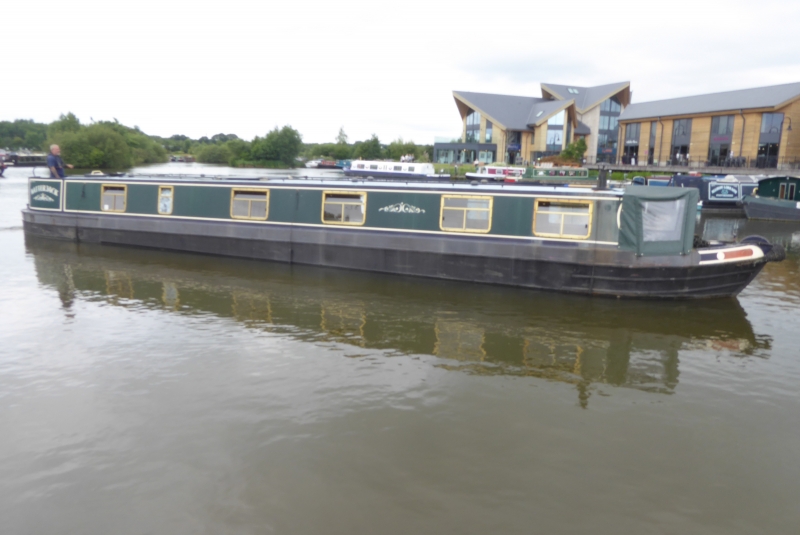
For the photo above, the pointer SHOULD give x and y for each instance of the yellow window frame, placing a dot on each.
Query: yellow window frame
(325, 194)
(158, 202)
(234, 191)
(124, 196)
(590, 215)
(465, 209)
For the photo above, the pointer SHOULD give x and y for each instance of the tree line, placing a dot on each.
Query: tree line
(111, 145)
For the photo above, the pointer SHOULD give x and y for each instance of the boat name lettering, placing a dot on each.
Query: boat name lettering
(43, 197)
(402, 208)
(723, 191)
(46, 189)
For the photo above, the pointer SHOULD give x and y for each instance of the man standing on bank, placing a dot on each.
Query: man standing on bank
(55, 163)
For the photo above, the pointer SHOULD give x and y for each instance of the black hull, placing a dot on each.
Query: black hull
(772, 210)
(543, 267)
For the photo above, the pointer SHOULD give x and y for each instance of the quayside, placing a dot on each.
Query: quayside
(639, 242)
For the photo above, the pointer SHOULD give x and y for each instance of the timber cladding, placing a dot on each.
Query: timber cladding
(744, 138)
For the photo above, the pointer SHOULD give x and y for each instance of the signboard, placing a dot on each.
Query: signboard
(514, 146)
(723, 192)
(45, 194)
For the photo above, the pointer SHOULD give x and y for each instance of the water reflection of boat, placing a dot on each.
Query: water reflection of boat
(487, 331)
(731, 229)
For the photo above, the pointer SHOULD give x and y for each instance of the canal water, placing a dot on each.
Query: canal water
(153, 392)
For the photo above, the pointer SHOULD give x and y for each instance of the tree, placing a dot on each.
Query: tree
(282, 145)
(398, 148)
(214, 154)
(65, 123)
(575, 151)
(369, 149)
(341, 139)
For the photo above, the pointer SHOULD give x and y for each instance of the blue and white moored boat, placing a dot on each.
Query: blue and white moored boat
(378, 169)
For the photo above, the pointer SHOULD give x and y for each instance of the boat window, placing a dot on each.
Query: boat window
(373, 166)
(663, 220)
(398, 168)
(411, 169)
(462, 213)
(558, 218)
(250, 204)
(114, 198)
(791, 192)
(360, 166)
(165, 196)
(344, 208)
(782, 193)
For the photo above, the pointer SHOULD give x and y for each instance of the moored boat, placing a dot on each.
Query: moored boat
(633, 243)
(776, 199)
(719, 192)
(497, 173)
(379, 169)
(26, 160)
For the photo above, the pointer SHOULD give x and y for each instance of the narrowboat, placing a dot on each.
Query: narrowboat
(378, 169)
(657, 181)
(327, 164)
(639, 242)
(497, 173)
(568, 173)
(26, 160)
(719, 192)
(776, 199)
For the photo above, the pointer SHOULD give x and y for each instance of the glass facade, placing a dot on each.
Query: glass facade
(719, 145)
(769, 141)
(473, 132)
(608, 132)
(681, 139)
(651, 151)
(488, 136)
(631, 150)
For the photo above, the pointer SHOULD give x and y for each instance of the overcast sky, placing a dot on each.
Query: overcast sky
(389, 68)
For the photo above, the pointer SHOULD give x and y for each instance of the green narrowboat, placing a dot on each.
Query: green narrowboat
(776, 199)
(633, 243)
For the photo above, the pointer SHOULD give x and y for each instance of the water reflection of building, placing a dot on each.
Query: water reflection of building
(487, 331)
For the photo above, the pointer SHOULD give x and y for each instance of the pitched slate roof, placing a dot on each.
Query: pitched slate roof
(582, 129)
(513, 112)
(585, 97)
(759, 97)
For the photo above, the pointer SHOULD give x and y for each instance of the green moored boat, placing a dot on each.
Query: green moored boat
(634, 243)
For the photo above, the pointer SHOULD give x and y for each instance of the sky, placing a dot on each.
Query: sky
(386, 68)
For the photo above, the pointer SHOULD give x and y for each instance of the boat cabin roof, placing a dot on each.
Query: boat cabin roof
(361, 183)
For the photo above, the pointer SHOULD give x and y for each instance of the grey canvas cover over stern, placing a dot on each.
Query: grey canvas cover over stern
(658, 221)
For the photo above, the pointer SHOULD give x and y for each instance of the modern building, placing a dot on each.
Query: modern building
(518, 129)
(744, 128)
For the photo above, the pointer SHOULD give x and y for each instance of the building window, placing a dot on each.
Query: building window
(488, 136)
(250, 204)
(771, 123)
(472, 136)
(114, 198)
(562, 218)
(166, 194)
(555, 140)
(340, 208)
(632, 134)
(462, 213)
(557, 119)
(474, 119)
(722, 125)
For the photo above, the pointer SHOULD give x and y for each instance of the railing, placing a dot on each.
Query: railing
(759, 162)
